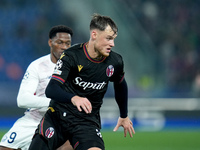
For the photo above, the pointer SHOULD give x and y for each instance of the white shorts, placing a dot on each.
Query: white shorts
(21, 133)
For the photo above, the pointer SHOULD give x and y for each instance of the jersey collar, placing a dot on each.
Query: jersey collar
(88, 56)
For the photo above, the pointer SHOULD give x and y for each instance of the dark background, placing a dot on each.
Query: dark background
(158, 39)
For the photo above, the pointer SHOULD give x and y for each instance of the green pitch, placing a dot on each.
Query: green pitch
(165, 140)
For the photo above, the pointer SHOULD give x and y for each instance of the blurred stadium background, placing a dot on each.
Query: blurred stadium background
(159, 41)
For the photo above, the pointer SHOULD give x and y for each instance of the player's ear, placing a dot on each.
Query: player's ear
(94, 34)
(50, 42)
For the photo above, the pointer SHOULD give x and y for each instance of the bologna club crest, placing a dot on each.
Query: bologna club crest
(110, 70)
(49, 132)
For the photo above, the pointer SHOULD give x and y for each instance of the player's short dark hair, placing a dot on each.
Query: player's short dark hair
(59, 28)
(101, 22)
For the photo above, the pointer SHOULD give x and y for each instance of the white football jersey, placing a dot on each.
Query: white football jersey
(32, 89)
(31, 96)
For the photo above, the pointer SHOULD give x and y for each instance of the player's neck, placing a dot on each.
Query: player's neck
(53, 58)
(94, 54)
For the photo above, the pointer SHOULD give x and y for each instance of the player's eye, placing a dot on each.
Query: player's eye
(109, 38)
(68, 44)
(59, 42)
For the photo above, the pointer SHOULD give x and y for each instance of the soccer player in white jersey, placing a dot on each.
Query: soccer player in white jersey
(32, 92)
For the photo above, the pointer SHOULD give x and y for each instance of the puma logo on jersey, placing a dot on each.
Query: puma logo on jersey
(80, 67)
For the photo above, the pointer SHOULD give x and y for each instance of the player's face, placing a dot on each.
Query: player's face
(105, 41)
(59, 43)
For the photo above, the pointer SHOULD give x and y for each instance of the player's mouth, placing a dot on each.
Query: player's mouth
(108, 50)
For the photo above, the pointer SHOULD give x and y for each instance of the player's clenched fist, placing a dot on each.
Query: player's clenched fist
(82, 103)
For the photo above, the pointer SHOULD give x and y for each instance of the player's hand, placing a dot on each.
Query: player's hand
(127, 124)
(82, 103)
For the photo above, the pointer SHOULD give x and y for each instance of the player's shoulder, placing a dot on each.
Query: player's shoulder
(115, 55)
(42, 59)
(74, 48)
(39, 63)
(115, 58)
(77, 46)
(74, 51)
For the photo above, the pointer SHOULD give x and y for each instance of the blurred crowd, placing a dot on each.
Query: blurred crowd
(173, 26)
(24, 29)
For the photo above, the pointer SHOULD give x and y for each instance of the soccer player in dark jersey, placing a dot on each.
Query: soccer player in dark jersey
(77, 88)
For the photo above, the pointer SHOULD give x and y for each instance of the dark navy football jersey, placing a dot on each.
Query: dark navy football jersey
(86, 77)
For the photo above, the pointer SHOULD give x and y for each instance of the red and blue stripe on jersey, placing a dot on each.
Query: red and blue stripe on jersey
(59, 79)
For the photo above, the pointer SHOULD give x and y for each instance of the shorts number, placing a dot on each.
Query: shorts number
(12, 137)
